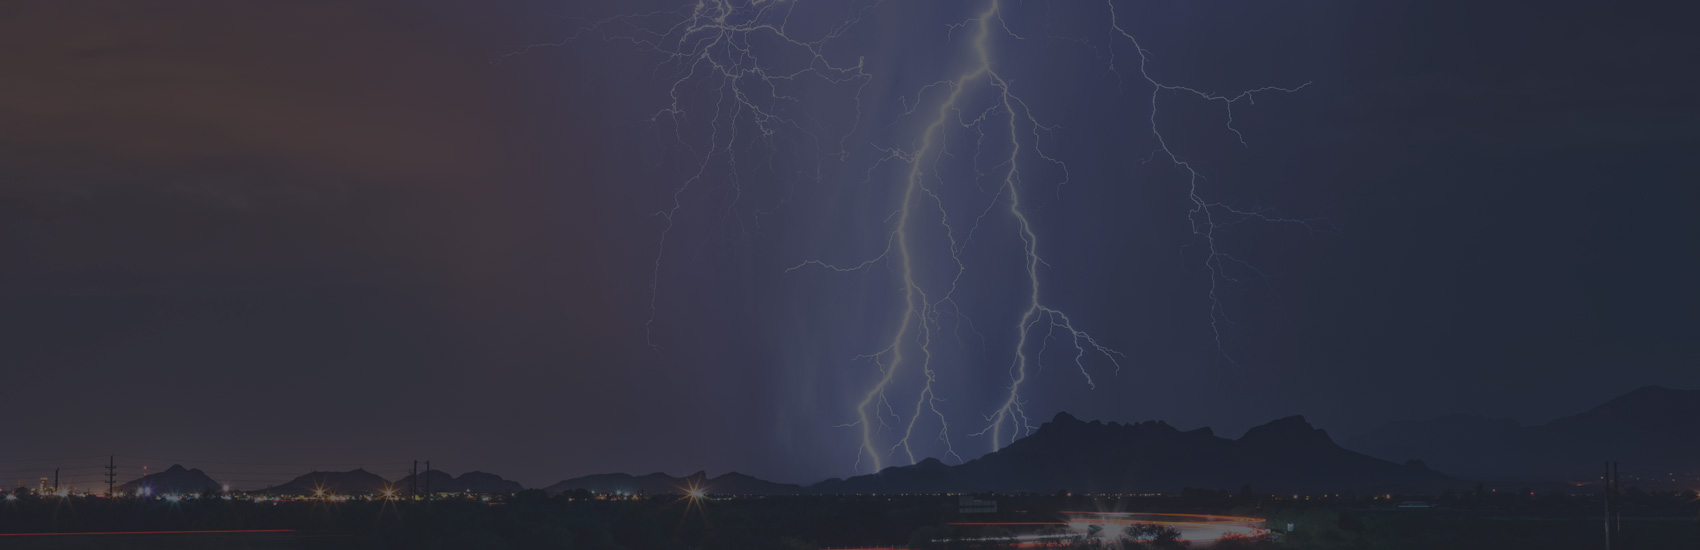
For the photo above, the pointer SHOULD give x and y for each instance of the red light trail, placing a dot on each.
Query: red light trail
(1205, 516)
(228, 531)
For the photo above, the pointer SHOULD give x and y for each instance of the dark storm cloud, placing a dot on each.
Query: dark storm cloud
(256, 203)
(330, 86)
(222, 136)
(171, 140)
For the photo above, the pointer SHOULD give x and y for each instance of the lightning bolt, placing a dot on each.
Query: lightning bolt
(918, 319)
(1205, 214)
(708, 48)
(742, 63)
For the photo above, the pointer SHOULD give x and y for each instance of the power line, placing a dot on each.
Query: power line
(49, 459)
(181, 460)
(46, 468)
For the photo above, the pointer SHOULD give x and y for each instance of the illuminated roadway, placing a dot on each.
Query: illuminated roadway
(1200, 529)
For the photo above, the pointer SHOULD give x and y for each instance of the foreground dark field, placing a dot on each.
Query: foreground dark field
(532, 519)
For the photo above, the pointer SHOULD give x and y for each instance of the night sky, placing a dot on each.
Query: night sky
(325, 233)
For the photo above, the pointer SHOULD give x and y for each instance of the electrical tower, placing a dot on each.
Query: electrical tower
(111, 474)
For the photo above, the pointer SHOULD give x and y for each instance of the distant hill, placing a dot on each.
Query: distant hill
(354, 482)
(1067, 453)
(660, 484)
(175, 479)
(1417, 440)
(470, 482)
(1651, 429)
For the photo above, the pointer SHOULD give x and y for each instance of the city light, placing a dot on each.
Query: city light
(695, 497)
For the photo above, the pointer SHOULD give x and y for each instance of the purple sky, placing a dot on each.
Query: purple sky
(320, 234)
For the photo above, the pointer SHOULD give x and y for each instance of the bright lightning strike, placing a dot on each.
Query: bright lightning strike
(918, 319)
(739, 75)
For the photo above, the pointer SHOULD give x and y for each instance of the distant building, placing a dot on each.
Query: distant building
(970, 505)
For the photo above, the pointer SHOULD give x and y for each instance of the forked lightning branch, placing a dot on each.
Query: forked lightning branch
(730, 64)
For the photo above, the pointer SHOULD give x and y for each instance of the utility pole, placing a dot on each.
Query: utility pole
(1614, 522)
(1607, 493)
(111, 474)
(427, 480)
(413, 482)
(1617, 507)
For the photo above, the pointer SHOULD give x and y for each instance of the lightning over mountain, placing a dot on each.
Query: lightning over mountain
(767, 95)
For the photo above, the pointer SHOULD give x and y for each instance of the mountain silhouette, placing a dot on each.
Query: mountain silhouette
(175, 479)
(1066, 453)
(470, 482)
(1650, 429)
(354, 482)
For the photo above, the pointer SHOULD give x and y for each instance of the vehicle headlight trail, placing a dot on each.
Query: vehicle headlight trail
(739, 75)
